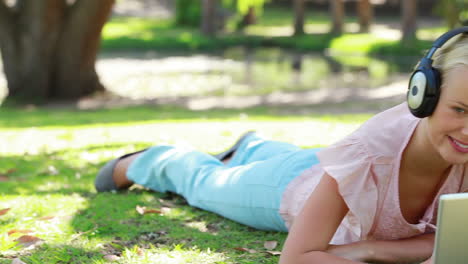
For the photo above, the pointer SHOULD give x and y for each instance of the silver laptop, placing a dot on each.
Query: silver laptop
(451, 242)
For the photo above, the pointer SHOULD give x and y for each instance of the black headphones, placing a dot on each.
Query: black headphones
(424, 85)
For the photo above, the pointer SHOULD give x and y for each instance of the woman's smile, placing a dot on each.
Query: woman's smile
(458, 146)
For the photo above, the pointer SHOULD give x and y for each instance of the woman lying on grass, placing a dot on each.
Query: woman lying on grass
(371, 197)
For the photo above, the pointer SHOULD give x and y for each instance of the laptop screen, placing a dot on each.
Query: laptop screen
(451, 243)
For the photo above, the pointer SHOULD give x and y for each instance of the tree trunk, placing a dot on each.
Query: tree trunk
(8, 46)
(250, 18)
(299, 17)
(365, 13)
(208, 17)
(49, 48)
(81, 37)
(409, 13)
(452, 14)
(337, 10)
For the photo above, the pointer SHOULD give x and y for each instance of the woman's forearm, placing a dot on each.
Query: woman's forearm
(318, 257)
(409, 250)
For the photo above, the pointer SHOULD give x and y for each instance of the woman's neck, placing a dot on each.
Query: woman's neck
(421, 157)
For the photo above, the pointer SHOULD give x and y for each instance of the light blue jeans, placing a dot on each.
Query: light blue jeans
(247, 190)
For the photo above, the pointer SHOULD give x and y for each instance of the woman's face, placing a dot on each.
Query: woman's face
(448, 125)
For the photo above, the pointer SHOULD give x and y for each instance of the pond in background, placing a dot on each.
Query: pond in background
(241, 72)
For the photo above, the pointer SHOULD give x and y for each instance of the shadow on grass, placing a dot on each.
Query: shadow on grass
(113, 218)
(59, 172)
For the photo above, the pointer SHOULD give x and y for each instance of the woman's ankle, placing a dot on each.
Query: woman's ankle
(120, 171)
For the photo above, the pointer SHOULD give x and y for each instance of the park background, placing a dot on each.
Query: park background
(85, 81)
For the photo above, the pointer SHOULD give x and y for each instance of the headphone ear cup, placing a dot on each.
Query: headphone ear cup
(416, 90)
(425, 82)
(423, 91)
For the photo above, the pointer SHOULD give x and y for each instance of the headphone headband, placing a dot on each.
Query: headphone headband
(440, 41)
(448, 35)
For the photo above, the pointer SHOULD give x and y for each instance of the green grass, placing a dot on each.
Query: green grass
(13, 118)
(130, 33)
(50, 157)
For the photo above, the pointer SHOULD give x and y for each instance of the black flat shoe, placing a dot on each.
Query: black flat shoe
(104, 181)
(225, 154)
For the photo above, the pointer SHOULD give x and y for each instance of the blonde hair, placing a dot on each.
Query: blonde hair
(452, 54)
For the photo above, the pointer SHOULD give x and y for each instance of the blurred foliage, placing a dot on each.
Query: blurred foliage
(415, 48)
(188, 12)
(455, 12)
(242, 6)
(152, 34)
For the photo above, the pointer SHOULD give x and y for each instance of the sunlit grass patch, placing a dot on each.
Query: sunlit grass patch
(133, 26)
(356, 43)
(178, 254)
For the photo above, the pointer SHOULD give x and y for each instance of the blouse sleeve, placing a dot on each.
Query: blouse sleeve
(349, 164)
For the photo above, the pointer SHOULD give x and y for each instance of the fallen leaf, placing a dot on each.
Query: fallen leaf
(77, 235)
(165, 210)
(66, 217)
(140, 252)
(4, 178)
(45, 218)
(52, 170)
(274, 253)
(8, 172)
(17, 261)
(27, 240)
(152, 211)
(270, 245)
(167, 203)
(111, 258)
(21, 231)
(162, 232)
(245, 250)
(4, 211)
(142, 210)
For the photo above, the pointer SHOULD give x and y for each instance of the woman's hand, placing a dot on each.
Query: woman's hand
(409, 250)
(357, 251)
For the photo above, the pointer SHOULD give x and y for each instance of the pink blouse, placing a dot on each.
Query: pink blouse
(365, 166)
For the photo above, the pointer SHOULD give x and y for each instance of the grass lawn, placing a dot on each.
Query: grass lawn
(50, 157)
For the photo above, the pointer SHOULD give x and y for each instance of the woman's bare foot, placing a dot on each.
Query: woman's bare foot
(120, 171)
